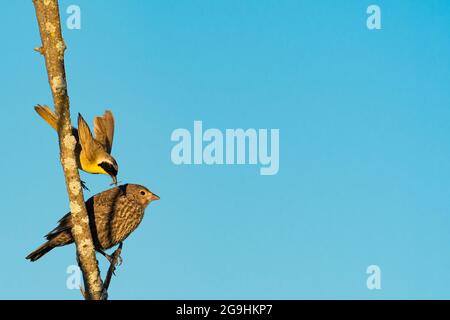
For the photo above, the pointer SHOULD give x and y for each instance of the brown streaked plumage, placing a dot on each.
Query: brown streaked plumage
(113, 215)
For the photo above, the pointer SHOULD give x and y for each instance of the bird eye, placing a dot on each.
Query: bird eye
(142, 193)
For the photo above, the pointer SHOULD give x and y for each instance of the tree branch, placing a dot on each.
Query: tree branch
(53, 47)
(112, 267)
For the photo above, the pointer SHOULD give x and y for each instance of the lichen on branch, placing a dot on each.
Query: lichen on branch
(53, 48)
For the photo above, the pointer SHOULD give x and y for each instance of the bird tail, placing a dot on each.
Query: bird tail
(48, 115)
(39, 252)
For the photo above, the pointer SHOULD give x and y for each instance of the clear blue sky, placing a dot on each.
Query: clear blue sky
(364, 146)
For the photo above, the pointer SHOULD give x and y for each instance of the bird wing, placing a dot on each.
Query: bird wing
(104, 130)
(65, 223)
(86, 140)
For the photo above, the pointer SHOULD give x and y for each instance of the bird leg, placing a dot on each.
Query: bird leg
(115, 258)
(83, 185)
(116, 255)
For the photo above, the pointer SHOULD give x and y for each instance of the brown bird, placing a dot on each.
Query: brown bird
(113, 215)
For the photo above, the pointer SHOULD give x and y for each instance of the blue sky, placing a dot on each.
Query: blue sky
(364, 147)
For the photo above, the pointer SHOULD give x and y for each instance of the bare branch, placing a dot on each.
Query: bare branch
(39, 49)
(53, 47)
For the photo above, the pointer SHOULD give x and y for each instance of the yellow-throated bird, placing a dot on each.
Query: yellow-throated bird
(93, 153)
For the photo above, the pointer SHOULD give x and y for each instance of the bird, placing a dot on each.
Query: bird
(113, 215)
(93, 154)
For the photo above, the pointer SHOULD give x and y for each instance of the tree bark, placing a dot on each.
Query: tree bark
(53, 48)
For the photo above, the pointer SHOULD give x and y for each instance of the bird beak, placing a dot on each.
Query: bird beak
(155, 197)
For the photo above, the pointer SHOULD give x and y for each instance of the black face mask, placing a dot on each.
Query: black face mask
(109, 168)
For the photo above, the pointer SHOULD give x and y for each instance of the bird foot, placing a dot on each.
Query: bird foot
(115, 258)
(115, 183)
(83, 185)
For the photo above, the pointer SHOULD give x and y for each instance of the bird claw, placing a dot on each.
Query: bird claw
(115, 259)
(83, 185)
(116, 183)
